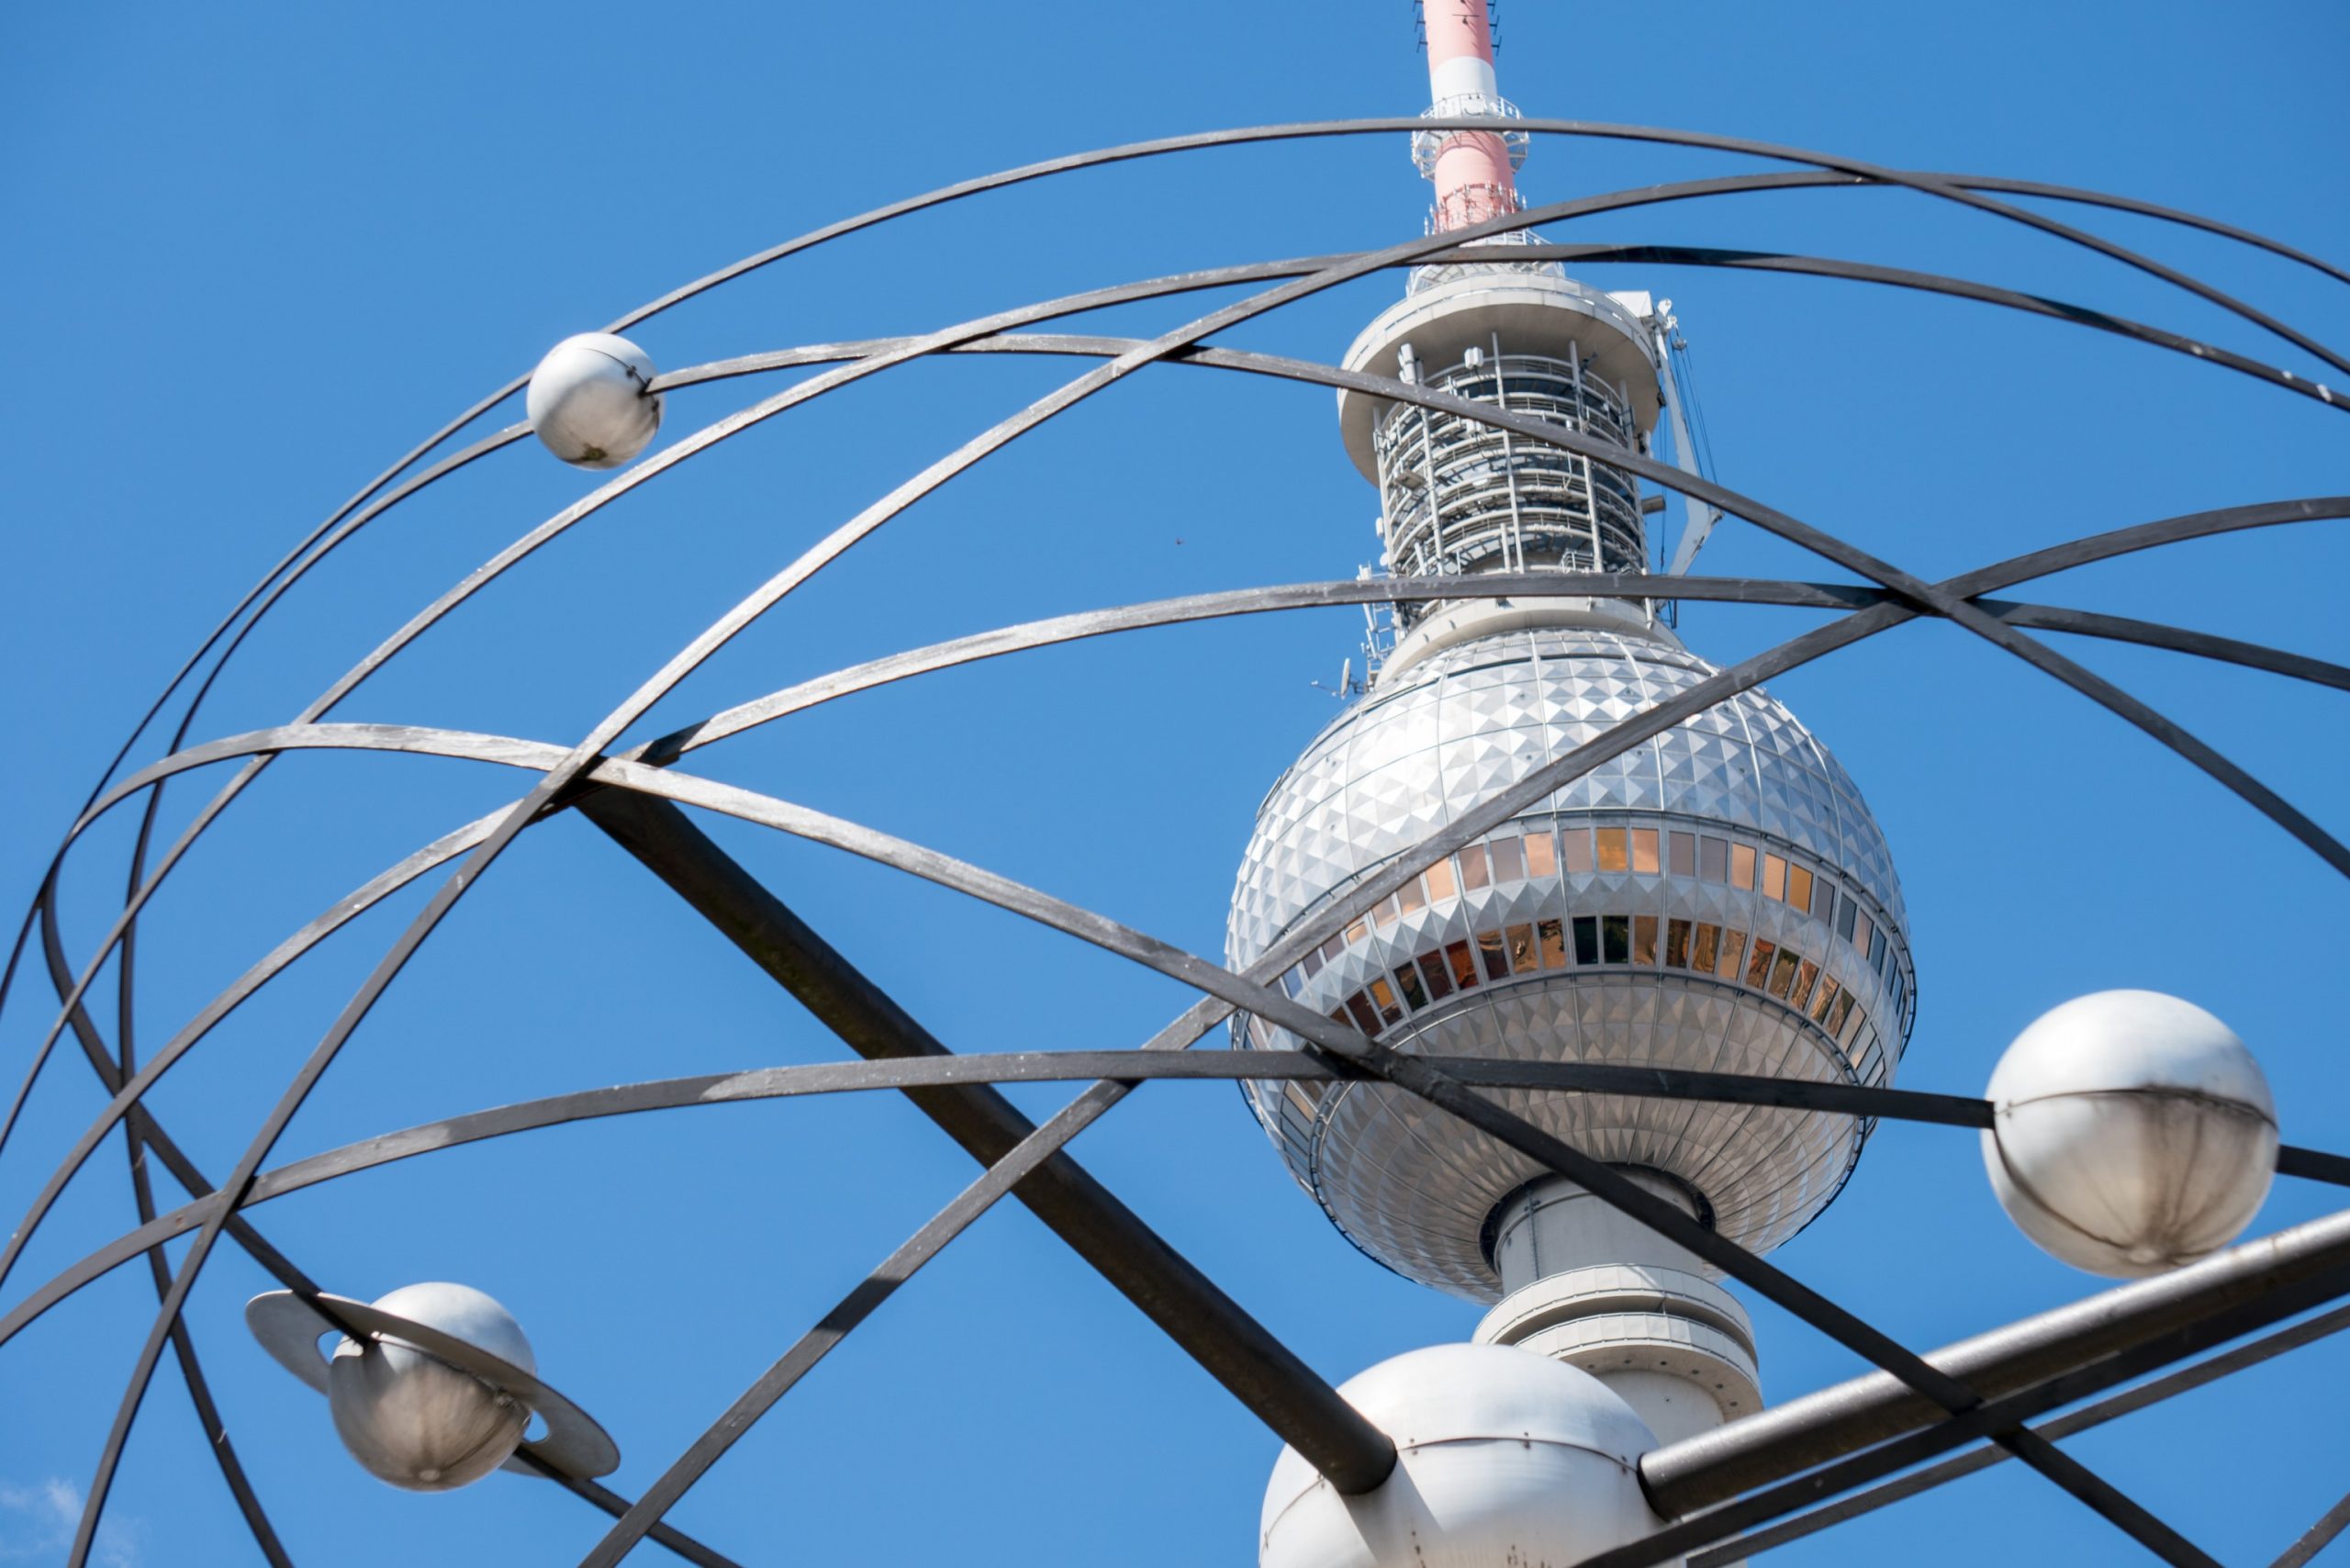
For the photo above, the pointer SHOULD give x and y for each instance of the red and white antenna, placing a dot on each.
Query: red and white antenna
(1475, 171)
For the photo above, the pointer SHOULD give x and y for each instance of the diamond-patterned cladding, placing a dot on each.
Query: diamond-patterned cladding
(1410, 1185)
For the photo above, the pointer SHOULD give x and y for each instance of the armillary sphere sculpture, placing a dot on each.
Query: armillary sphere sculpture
(1567, 970)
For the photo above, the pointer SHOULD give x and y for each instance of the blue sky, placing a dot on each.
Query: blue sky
(256, 254)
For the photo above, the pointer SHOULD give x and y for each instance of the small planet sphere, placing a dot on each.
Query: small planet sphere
(1503, 1456)
(589, 402)
(416, 1421)
(2133, 1132)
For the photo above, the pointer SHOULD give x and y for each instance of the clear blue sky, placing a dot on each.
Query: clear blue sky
(253, 253)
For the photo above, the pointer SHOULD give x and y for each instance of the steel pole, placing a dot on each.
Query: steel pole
(1240, 1353)
(2291, 1270)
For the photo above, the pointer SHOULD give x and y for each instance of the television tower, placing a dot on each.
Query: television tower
(1719, 898)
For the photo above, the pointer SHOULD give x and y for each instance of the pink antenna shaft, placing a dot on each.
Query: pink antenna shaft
(1472, 174)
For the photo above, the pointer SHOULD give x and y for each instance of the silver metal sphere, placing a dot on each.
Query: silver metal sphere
(589, 402)
(1502, 1457)
(1718, 898)
(415, 1420)
(2134, 1132)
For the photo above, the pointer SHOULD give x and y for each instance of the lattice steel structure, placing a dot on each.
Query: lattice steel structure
(1748, 1473)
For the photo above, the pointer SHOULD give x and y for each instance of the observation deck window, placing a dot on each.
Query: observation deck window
(1829, 989)
(1521, 949)
(1733, 946)
(1644, 940)
(1758, 968)
(1713, 859)
(1742, 867)
(1614, 939)
(1411, 898)
(1644, 852)
(1509, 864)
(1587, 939)
(1554, 945)
(1440, 880)
(1615, 853)
(1774, 878)
(1676, 945)
(1682, 850)
(1806, 975)
(1407, 982)
(1497, 957)
(1438, 978)
(1383, 997)
(1472, 867)
(1799, 887)
(1575, 847)
(1705, 950)
(1845, 912)
(1541, 855)
(1464, 964)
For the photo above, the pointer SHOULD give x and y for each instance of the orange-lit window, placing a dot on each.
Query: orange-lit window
(1615, 938)
(1839, 1013)
(1614, 854)
(1464, 964)
(1830, 988)
(1774, 878)
(1644, 851)
(1682, 854)
(1644, 940)
(1408, 980)
(1521, 948)
(1355, 932)
(1804, 975)
(1758, 968)
(1496, 955)
(1553, 938)
(1707, 949)
(1676, 945)
(1575, 848)
(1473, 867)
(1411, 897)
(1864, 931)
(1303, 1098)
(1733, 949)
(1439, 981)
(1713, 859)
(1783, 973)
(1365, 1019)
(1440, 879)
(1383, 996)
(1541, 855)
(1799, 887)
(1741, 866)
(1509, 865)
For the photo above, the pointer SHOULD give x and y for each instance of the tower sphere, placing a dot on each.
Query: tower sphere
(1502, 1456)
(588, 401)
(1718, 898)
(416, 1421)
(2134, 1132)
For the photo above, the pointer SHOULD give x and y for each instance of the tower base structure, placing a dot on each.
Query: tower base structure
(1598, 1289)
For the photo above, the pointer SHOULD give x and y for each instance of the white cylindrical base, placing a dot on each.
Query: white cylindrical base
(1593, 1288)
